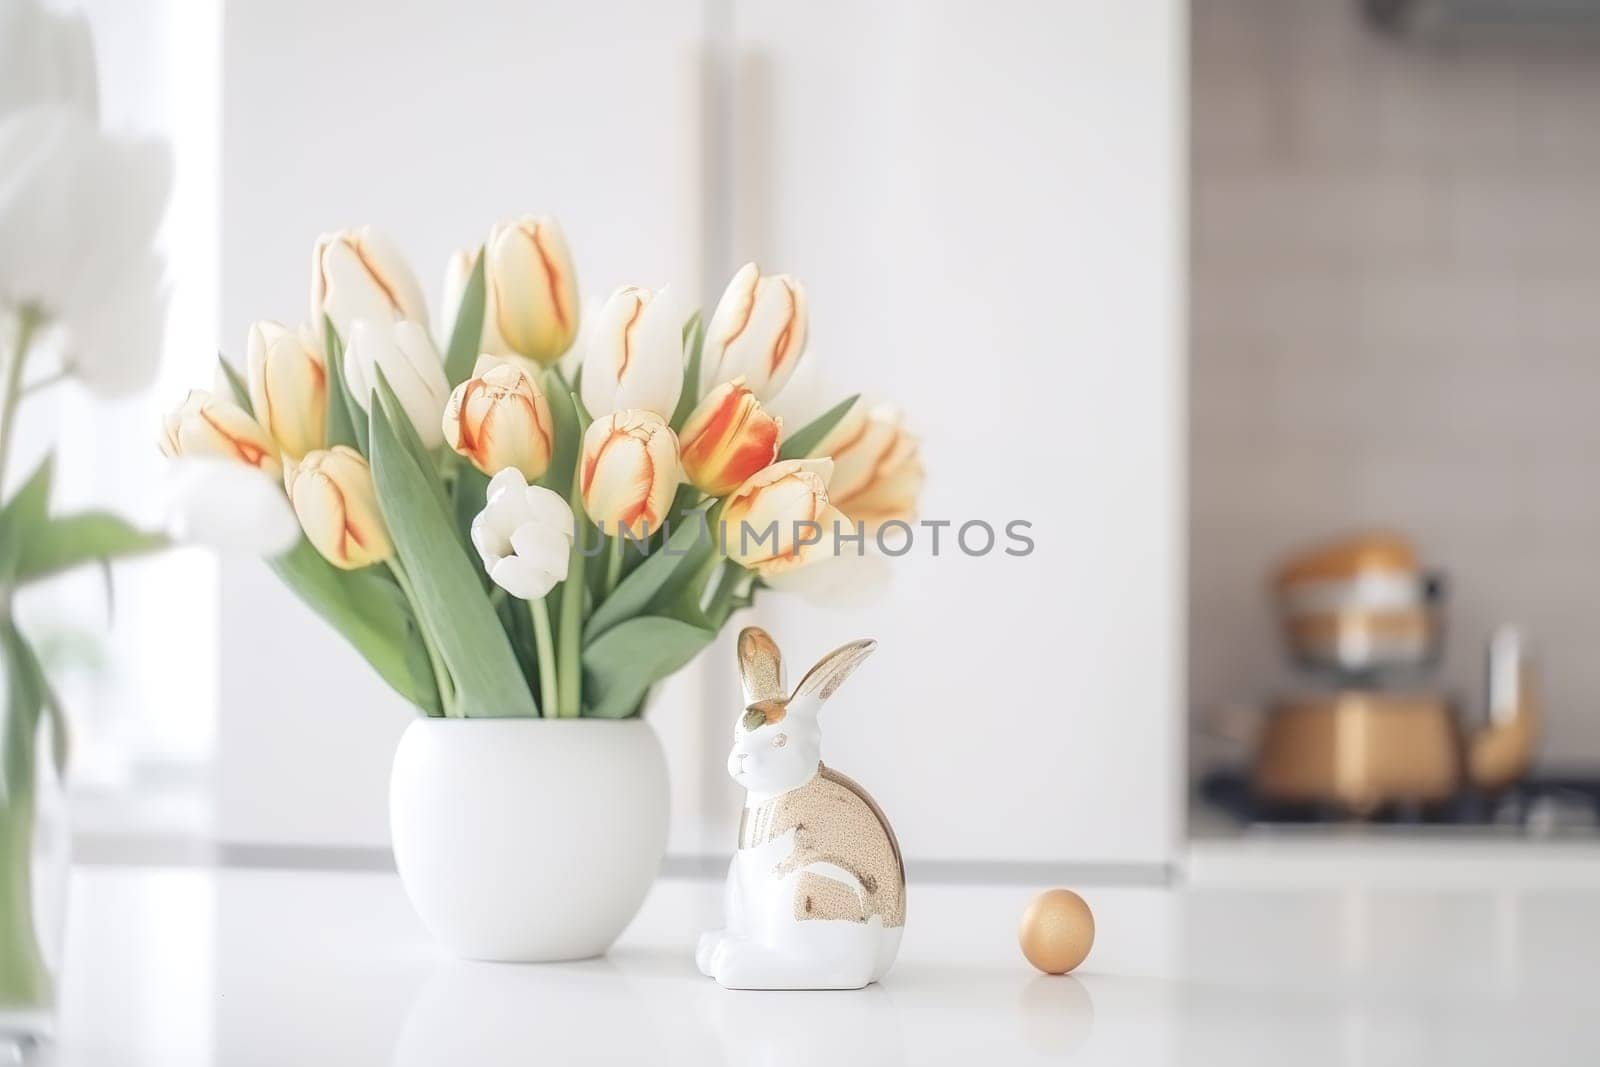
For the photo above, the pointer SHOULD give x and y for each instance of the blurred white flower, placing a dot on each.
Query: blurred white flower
(78, 209)
(228, 506)
(115, 348)
(844, 582)
(408, 359)
(46, 57)
(524, 535)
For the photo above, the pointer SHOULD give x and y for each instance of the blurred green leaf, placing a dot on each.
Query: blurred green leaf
(371, 612)
(59, 544)
(622, 664)
(20, 724)
(800, 443)
(451, 601)
(236, 384)
(23, 515)
(25, 661)
(466, 338)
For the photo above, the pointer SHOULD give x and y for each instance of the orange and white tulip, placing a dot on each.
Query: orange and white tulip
(337, 505)
(500, 418)
(532, 292)
(877, 467)
(359, 274)
(781, 517)
(206, 425)
(757, 332)
(727, 439)
(288, 388)
(633, 353)
(629, 472)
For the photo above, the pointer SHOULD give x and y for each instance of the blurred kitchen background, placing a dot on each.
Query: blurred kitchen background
(1192, 287)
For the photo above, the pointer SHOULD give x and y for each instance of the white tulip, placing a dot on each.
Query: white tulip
(115, 348)
(46, 57)
(405, 354)
(524, 534)
(633, 353)
(78, 209)
(359, 274)
(228, 506)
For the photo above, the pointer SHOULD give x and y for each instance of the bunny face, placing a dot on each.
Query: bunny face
(777, 744)
(774, 756)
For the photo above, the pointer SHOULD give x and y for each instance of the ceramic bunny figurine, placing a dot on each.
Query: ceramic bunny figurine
(816, 895)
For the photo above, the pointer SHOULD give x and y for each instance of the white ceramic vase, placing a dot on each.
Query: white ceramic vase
(528, 840)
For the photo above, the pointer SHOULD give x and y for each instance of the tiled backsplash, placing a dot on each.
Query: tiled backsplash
(1396, 322)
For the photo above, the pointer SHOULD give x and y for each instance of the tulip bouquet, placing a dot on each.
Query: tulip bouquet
(542, 521)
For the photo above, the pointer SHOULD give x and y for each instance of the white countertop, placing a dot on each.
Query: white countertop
(177, 966)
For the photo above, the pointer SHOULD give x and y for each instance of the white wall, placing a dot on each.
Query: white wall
(984, 201)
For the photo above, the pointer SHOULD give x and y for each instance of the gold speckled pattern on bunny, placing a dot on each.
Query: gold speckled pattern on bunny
(834, 821)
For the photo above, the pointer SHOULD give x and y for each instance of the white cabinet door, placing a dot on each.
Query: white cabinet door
(984, 200)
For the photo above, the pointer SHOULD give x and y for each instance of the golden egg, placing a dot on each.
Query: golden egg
(1057, 931)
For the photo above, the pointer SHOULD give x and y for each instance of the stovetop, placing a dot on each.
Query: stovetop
(1537, 805)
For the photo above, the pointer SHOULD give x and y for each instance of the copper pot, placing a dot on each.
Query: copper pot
(1360, 606)
(1360, 749)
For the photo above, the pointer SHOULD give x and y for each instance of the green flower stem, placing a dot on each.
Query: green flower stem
(11, 387)
(24, 980)
(544, 641)
(732, 574)
(614, 563)
(441, 673)
(569, 669)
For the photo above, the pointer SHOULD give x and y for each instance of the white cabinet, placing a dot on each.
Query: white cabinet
(984, 199)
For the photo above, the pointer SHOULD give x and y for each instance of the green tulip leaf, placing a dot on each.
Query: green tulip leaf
(621, 665)
(467, 497)
(384, 396)
(694, 340)
(801, 443)
(369, 611)
(450, 600)
(567, 438)
(236, 385)
(466, 338)
(345, 422)
(633, 593)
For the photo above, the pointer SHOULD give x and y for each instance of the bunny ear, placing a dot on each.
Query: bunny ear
(831, 670)
(760, 666)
